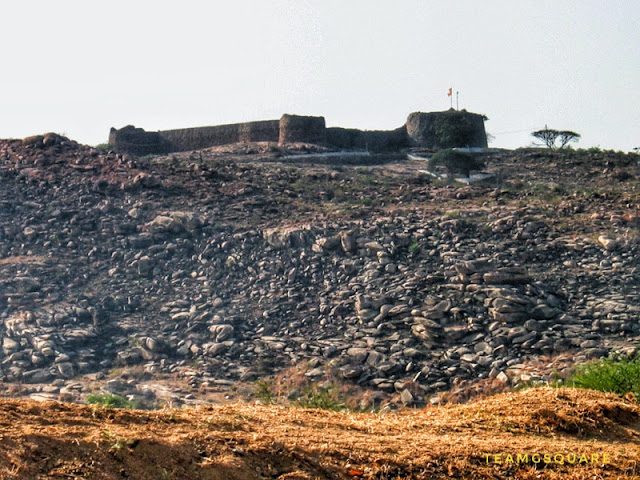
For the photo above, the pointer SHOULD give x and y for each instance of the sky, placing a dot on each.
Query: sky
(81, 67)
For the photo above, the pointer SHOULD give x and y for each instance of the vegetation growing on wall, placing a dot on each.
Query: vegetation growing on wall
(453, 130)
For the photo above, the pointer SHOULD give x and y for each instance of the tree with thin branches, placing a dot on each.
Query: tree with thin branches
(566, 136)
(550, 136)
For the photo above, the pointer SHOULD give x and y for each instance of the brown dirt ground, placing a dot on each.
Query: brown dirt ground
(248, 441)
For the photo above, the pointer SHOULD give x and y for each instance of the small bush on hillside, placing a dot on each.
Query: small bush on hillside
(110, 401)
(614, 375)
(264, 392)
(455, 162)
(320, 397)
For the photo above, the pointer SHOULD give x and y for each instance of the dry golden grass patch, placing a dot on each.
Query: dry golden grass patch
(22, 259)
(483, 439)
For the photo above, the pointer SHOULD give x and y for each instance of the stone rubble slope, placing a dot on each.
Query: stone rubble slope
(224, 271)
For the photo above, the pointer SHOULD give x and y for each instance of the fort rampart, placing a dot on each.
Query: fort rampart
(430, 130)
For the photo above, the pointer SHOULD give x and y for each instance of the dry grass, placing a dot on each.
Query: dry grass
(22, 259)
(248, 441)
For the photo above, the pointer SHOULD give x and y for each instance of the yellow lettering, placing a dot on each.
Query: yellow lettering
(535, 458)
(605, 458)
(595, 458)
(583, 459)
(522, 458)
(547, 458)
(497, 459)
(571, 458)
(487, 455)
(509, 458)
(558, 458)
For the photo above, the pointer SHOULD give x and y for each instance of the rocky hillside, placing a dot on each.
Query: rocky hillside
(181, 278)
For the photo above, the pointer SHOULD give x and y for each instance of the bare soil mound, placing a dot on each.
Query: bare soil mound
(539, 433)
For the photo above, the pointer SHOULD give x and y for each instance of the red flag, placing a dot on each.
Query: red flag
(450, 92)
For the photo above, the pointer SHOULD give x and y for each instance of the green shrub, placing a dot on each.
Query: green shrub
(454, 161)
(614, 374)
(320, 397)
(264, 391)
(110, 401)
(104, 146)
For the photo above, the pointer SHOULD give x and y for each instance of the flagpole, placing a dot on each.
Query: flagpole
(457, 104)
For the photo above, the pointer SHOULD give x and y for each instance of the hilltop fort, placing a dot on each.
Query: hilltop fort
(451, 128)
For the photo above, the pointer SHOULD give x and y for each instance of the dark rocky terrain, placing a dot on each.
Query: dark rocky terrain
(182, 278)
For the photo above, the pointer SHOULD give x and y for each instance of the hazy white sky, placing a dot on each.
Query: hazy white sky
(81, 67)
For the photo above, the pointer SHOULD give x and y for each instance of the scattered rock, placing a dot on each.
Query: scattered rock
(221, 271)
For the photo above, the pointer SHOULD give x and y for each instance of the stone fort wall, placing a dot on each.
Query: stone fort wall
(421, 129)
(452, 128)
